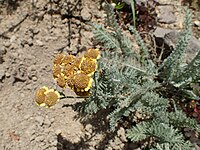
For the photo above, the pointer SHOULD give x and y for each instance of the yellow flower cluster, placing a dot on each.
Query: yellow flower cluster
(46, 97)
(76, 72)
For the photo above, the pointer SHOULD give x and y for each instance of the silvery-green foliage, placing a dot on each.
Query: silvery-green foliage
(167, 146)
(171, 65)
(180, 120)
(191, 73)
(126, 83)
(105, 37)
(165, 135)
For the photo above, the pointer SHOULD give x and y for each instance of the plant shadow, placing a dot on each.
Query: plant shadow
(10, 5)
(99, 125)
(71, 12)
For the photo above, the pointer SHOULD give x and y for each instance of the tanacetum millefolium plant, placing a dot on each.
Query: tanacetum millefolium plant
(69, 71)
(129, 83)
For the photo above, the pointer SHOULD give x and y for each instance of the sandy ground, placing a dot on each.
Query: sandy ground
(31, 34)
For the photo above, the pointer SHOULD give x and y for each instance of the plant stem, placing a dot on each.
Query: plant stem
(63, 97)
(133, 12)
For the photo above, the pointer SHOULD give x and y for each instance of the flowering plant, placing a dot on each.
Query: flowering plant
(70, 71)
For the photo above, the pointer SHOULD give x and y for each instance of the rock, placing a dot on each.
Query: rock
(39, 119)
(20, 72)
(7, 44)
(22, 95)
(32, 73)
(64, 21)
(27, 116)
(7, 74)
(170, 37)
(86, 15)
(13, 38)
(54, 144)
(197, 23)
(47, 122)
(23, 42)
(30, 41)
(121, 134)
(52, 120)
(2, 52)
(193, 46)
(34, 78)
(14, 46)
(39, 43)
(88, 128)
(2, 73)
(36, 31)
(31, 130)
(109, 148)
(39, 138)
(161, 32)
(166, 14)
(58, 131)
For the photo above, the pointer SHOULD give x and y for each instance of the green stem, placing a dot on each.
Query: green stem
(63, 97)
(133, 12)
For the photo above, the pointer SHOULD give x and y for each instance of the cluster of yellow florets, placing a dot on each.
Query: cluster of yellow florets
(46, 97)
(76, 72)
(71, 71)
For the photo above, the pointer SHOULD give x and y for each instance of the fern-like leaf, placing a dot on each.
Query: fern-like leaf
(190, 74)
(171, 65)
(138, 132)
(180, 120)
(144, 54)
(102, 36)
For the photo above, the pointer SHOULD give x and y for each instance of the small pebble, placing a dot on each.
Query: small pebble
(39, 119)
(30, 41)
(2, 51)
(58, 131)
(39, 43)
(47, 122)
(34, 78)
(85, 14)
(7, 44)
(40, 138)
(52, 120)
(7, 74)
(197, 23)
(88, 128)
(2, 74)
(13, 38)
(26, 116)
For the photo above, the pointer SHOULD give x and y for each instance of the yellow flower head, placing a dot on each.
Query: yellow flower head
(77, 62)
(46, 97)
(70, 81)
(61, 81)
(58, 59)
(57, 70)
(40, 96)
(69, 70)
(68, 59)
(51, 97)
(82, 82)
(92, 53)
(89, 66)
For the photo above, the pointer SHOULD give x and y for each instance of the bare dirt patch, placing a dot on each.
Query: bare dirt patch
(31, 34)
